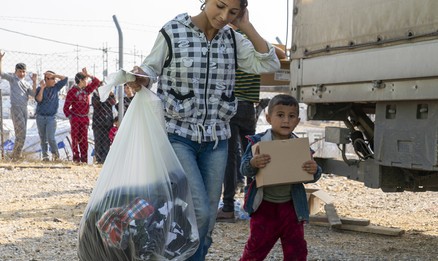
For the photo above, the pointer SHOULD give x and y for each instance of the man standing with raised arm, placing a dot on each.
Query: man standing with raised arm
(20, 92)
(47, 107)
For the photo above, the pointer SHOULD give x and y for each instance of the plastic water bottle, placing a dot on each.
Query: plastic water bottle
(239, 212)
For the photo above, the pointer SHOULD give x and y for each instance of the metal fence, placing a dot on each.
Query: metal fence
(99, 62)
(101, 113)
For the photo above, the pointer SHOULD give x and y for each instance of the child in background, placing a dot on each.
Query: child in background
(102, 123)
(114, 129)
(76, 108)
(282, 212)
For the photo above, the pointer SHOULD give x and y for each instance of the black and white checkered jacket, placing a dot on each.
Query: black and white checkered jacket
(197, 81)
(196, 77)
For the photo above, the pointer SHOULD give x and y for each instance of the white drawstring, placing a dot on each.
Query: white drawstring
(201, 129)
(214, 135)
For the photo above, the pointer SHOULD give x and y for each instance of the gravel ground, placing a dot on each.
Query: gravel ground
(41, 208)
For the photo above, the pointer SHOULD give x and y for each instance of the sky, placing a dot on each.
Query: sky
(48, 26)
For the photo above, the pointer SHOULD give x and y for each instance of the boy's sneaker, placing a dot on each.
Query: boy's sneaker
(227, 217)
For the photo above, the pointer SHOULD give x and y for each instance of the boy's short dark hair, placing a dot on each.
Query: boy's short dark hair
(20, 66)
(79, 76)
(282, 99)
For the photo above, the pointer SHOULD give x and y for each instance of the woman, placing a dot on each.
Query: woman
(194, 59)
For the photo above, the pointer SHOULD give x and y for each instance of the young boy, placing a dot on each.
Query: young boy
(283, 210)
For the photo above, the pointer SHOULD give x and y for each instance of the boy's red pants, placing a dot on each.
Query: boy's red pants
(79, 138)
(273, 221)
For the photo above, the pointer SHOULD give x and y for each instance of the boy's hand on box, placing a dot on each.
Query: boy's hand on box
(310, 167)
(259, 160)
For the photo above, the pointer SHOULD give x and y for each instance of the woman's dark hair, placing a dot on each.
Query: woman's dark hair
(282, 99)
(79, 76)
(243, 4)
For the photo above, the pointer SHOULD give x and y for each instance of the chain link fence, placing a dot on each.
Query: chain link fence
(39, 136)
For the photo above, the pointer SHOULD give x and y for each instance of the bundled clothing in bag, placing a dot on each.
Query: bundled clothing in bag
(141, 207)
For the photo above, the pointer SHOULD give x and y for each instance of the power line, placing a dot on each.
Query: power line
(65, 43)
(50, 40)
(79, 23)
(52, 19)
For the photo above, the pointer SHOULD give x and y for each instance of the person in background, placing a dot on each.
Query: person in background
(47, 106)
(247, 92)
(21, 90)
(194, 59)
(76, 108)
(283, 210)
(129, 96)
(114, 129)
(102, 123)
(127, 99)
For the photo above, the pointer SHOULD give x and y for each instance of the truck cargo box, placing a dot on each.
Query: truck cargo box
(327, 27)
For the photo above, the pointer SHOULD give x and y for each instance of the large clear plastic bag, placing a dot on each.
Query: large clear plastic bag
(141, 207)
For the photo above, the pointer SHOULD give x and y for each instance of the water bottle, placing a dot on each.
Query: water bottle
(239, 212)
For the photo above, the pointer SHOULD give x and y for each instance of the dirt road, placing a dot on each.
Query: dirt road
(41, 208)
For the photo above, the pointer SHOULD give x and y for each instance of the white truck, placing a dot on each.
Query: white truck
(372, 65)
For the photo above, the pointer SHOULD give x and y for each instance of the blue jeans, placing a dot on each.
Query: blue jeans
(46, 129)
(205, 168)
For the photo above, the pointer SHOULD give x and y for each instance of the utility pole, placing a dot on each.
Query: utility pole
(77, 58)
(135, 55)
(120, 90)
(105, 61)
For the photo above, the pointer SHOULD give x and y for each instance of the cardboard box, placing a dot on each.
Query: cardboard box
(316, 198)
(279, 78)
(287, 157)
